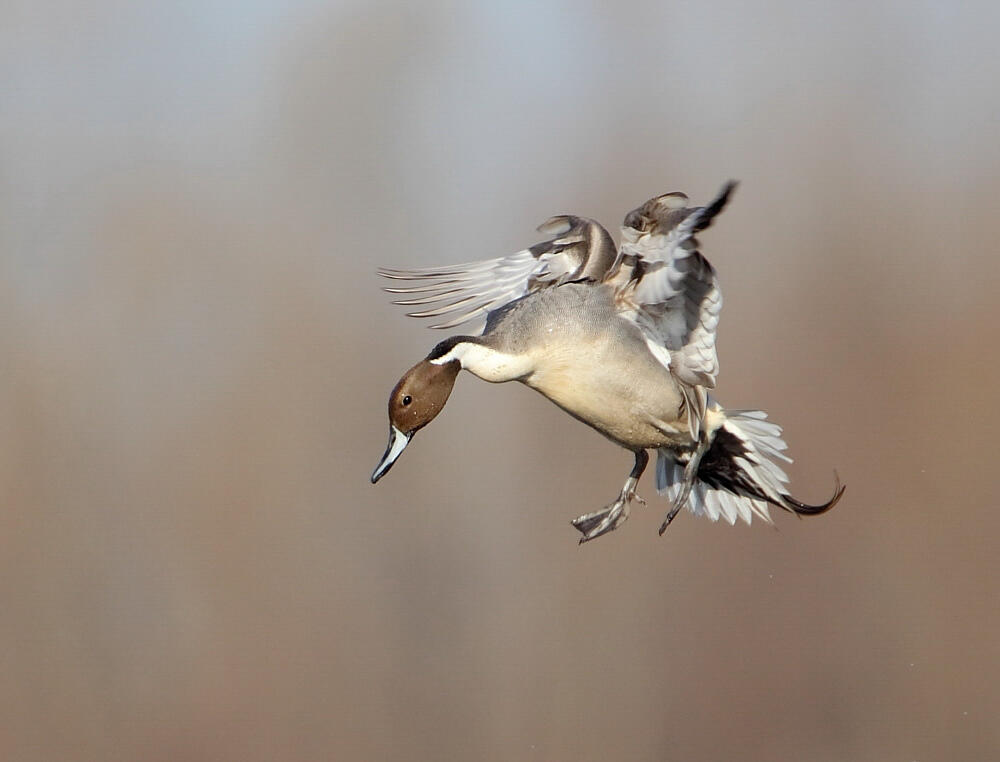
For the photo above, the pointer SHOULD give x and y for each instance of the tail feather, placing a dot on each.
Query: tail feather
(805, 509)
(738, 476)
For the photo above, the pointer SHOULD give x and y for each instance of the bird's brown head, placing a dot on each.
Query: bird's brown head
(414, 402)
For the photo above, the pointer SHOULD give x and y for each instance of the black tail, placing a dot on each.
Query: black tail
(721, 467)
(739, 474)
(804, 509)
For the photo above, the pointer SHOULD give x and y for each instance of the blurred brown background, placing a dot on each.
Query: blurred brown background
(196, 358)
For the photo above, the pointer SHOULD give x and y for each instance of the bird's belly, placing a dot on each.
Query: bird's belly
(637, 408)
(594, 364)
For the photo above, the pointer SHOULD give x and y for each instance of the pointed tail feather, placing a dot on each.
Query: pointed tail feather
(804, 509)
(738, 476)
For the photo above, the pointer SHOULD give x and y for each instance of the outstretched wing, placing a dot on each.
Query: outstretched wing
(670, 290)
(580, 248)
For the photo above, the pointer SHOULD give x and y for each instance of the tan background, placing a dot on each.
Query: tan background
(196, 358)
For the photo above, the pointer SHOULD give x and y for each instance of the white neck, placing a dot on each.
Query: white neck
(489, 364)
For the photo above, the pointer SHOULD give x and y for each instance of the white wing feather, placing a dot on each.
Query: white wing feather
(668, 288)
(461, 293)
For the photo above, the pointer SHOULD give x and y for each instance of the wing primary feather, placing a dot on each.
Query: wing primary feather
(465, 291)
(705, 215)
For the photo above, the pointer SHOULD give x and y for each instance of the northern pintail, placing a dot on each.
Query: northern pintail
(621, 339)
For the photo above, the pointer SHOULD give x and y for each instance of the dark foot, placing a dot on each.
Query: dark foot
(609, 518)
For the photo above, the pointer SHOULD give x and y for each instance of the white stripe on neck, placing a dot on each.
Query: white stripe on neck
(488, 364)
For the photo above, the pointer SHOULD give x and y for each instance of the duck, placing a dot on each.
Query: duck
(623, 338)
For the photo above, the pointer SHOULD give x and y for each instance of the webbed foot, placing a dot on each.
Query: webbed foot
(690, 474)
(609, 518)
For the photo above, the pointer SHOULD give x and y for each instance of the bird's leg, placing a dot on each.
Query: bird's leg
(690, 474)
(593, 525)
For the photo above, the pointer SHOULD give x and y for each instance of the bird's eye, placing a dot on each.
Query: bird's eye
(407, 399)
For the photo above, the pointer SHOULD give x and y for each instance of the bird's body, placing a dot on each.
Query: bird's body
(616, 385)
(623, 340)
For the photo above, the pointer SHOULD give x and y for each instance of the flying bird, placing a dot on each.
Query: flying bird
(621, 338)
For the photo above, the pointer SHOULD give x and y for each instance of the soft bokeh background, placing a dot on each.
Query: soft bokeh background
(195, 358)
